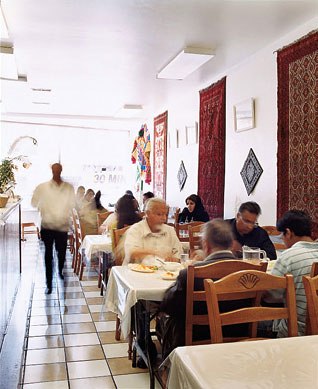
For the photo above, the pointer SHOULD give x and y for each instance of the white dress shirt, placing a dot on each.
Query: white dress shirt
(139, 236)
(55, 203)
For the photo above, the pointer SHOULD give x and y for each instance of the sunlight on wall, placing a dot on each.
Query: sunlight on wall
(96, 159)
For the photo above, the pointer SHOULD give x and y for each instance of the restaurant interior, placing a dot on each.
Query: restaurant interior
(210, 97)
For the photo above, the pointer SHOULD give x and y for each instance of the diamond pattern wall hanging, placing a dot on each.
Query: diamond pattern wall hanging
(251, 172)
(182, 176)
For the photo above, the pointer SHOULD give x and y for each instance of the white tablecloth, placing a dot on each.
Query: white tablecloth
(125, 287)
(95, 243)
(289, 363)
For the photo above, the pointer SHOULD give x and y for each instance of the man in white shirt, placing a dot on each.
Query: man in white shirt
(55, 200)
(151, 236)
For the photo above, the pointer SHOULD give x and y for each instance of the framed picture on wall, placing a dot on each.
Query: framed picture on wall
(192, 134)
(244, 117)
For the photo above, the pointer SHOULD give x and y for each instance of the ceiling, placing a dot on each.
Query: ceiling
(95, 56)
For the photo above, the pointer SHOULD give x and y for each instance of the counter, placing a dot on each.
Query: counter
(10, 260)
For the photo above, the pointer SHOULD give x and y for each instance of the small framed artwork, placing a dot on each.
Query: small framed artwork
(192, 134)
(244, 117)
(182, 176)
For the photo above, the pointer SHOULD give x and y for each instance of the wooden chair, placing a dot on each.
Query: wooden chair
(29, 228)
(311, 290)
(182, 230)
(239, 285)
(215, 270)
(77, 259)
(194, 238)
(101, 217)
(176, 216)
(313, 273)
(272, 231)
(117, 235)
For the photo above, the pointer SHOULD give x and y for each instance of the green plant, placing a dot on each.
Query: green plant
(7, 180)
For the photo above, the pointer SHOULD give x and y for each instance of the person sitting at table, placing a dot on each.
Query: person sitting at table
(151, 236)
(194, 211)
(79, 197)
(145, 197)
(88, 197)
(297, 260)
(247, 232)
(88, 214)
(217, 240)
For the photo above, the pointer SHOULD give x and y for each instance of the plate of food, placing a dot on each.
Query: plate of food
(169, 276)
(144, 269)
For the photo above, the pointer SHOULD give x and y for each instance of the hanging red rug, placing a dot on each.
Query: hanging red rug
(297, 155)
(212, 148)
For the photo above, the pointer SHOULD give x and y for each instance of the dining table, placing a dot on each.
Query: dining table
(286, 363)
(94, 244)
(125, 288)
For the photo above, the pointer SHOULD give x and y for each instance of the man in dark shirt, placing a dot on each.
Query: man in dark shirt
(247, 232)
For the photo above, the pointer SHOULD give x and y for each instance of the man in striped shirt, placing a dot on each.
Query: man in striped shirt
(301, 253)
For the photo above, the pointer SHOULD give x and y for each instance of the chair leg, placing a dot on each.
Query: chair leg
(130, 345)
(100, 272)
(81, 269)
(117, 333)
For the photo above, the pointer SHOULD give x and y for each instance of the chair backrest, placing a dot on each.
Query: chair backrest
(235, 286)
(195, 237)
(313, 273)
(77, 228)
(273, 231)
(118, 246)
(176, 216)
(215, 270)
(311, 290)
(182, 230)
(101, 217)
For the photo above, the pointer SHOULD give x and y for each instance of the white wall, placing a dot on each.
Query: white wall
(81, 151)
(256, 78)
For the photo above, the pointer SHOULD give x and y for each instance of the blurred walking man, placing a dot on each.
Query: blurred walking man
(55, 200)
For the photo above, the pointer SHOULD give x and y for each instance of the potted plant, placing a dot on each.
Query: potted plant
(7, 181)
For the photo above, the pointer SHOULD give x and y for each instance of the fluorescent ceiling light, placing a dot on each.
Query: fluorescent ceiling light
(185, 63)
(3, 26)
(8, 67)
(19, 79)
(130, 111)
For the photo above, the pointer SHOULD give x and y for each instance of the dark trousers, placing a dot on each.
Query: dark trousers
(50, 237)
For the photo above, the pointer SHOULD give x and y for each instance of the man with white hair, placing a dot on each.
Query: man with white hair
(151, 236)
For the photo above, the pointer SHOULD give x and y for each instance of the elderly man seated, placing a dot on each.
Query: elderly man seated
(151, 237)
(217, 240)
(144, 241)
(247, 232)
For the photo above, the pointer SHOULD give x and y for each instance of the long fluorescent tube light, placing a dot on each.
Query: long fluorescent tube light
(19, 79)
(185, 63)
(3, 26)
(8, 67)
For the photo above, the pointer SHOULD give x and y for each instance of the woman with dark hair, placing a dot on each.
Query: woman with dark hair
(88, 214)
(127, 211)
(194, 211)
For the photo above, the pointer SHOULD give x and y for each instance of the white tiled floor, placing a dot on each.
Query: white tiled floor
(70, 342)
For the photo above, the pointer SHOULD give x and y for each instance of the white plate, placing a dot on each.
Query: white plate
(141, 270)
(169, 278)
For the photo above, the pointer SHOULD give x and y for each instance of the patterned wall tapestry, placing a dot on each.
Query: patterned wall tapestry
(160, 155)
(297, 159)
(212, 148)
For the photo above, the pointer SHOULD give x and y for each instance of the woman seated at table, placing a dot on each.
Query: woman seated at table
(194, 211)
(88, 214)
(126, 214)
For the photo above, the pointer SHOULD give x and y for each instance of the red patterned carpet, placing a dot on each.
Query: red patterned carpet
(212, 148)
(297, 161)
